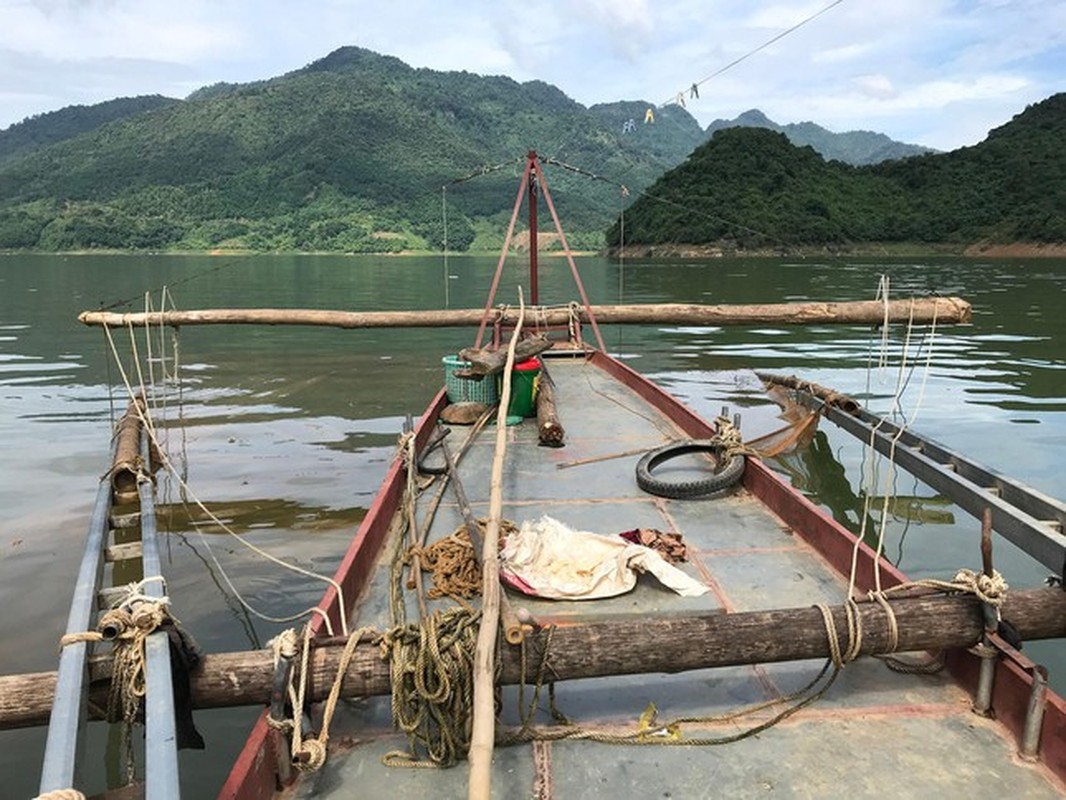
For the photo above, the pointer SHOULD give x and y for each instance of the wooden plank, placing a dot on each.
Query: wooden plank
(130, 551)
(125, 521)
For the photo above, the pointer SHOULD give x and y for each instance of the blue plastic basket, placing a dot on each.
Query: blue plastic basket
(464, 390)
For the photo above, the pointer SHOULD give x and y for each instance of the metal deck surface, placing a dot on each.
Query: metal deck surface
(875, 733)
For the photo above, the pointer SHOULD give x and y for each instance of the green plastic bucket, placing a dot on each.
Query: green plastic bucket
(464, 390)
(524, 379)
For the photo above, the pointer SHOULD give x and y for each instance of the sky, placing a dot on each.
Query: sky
(935, 72)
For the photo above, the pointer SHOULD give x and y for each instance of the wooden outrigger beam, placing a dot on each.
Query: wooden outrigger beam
(1027, 518)
(923, 310)
(674, 643)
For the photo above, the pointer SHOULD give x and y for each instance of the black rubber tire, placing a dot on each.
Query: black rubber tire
(722, 478)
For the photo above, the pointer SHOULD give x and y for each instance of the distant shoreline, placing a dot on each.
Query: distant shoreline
(892, 249)
(664, 251)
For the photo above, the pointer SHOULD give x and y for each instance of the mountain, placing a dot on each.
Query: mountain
(348, 153)
(42, 130)
(852, 147)
(356, 151)
(752, 188)
(669, 139)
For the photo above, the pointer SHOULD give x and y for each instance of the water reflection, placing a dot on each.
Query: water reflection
(814, 469)
(241, 516)
(289, 431)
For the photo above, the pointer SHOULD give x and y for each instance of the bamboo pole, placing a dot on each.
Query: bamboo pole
(483, 732)
(826, 395)
(668, 644)
(922, 310)
(513, 629)
(126, 464)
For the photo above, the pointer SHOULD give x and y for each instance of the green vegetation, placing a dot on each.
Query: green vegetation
(348, 154)
(42, 130)
(750, 188)
(851, 147)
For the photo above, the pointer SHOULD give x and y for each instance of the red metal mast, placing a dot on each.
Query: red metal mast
(534, 298)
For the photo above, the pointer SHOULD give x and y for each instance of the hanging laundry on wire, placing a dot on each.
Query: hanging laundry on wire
(629, 126)
(649, 116)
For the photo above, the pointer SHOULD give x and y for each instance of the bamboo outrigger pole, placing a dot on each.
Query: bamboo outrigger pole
(483, 733)
(943, 310)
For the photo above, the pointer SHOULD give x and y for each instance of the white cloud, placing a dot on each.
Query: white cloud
(783, 16)
(149, 29)
(848, 52)
(628, 23)
(906, 67)
(877, 87)
(930, 96)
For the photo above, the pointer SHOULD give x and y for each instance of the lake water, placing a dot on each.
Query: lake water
(287, 431)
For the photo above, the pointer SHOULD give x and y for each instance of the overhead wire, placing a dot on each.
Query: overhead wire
(752, 52)
(624, 152)
(195, 276)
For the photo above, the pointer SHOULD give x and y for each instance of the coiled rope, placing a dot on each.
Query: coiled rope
(433, 687)
(127, 624)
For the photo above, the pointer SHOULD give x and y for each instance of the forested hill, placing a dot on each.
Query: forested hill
(349, 153)
(751, 188)
(851, 147)
(42, 130)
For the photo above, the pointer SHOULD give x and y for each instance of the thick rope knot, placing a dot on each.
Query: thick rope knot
(405, 447)
(284, 645)
(573, 312)
(115, 624)
(132, 622)
(839, 656)
(890, 617)
(311, 756)
(729, 439)
(991, 589)
(282, 725)
(128, 625)
(147, 616)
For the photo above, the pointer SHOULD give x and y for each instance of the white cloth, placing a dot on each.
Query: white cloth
(548, 558)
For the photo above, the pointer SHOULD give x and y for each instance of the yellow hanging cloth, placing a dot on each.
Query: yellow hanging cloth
(649, 116)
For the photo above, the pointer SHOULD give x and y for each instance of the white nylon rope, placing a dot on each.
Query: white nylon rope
(146, 420)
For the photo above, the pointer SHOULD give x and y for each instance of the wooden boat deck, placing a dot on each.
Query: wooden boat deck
(875, 733)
